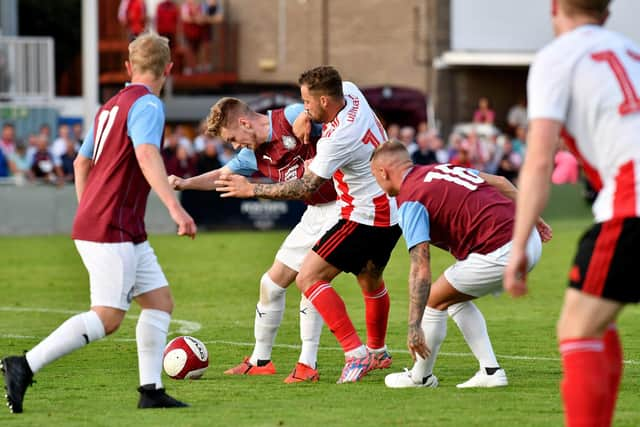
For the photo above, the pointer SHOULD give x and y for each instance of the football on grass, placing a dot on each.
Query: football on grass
(185, 357)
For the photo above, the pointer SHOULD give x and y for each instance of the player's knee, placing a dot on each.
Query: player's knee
(304, 281)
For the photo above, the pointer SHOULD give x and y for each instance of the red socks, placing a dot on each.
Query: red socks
(377, 316)
(613, 359)
(592, 369)
(332, 309)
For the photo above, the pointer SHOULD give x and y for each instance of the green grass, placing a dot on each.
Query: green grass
(215, 282)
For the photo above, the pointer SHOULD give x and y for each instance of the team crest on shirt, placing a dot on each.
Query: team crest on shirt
(289, 142)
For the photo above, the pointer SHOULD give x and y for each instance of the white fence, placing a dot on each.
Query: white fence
(27, 68)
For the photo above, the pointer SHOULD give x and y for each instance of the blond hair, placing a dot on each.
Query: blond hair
(149, 52)
(594, 8)
(391, 148)
(223, 112)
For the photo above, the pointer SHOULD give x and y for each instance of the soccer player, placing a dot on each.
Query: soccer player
(118, 163)
(362, 240)
(469, 214)
(585, 84)
(271, 149)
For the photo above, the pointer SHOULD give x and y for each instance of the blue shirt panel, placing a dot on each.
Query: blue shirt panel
(244, 163)
(413, 218)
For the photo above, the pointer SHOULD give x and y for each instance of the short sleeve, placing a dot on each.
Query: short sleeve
(86, 149)
(145, 122)
(244, 163)
(413, 219)
(548, 86)
(331, 154)
(291, 112)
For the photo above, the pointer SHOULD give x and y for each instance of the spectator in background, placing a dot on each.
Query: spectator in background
(133, 15)
(423, 155)
(462, 157)
(517, 116)
(192, 17)
(32, 147)
(59, 146)
(510, 162)
(393, 132)
(4, 165)
(208, 159)
(422, 127)
(213, 15)
(484, 114)
(45, 130)
(520, 140)
(167, 21)
(44, 165)
(78, 133)
(20, 164)
(406, 137)
(565, 169)
(169, 148)
(437, 146)
(181, 164)
(66, 161)
(200, 142)
(8, 141)
(182, 133)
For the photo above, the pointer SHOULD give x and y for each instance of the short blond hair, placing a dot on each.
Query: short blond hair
(223, 112)
(149, 52)
(594, 8)
(390, 148)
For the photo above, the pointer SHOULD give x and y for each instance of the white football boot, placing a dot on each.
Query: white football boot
(404, 380)
(483, 380)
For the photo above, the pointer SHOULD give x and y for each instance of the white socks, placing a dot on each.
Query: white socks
(310, 329)
(269, 312)
(434, 325)
(358, 352)
(74, 333)
(471, 323)
(151, 338)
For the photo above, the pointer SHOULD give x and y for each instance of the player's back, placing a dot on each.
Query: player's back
(344, 151)
(465, 213)
(602, 111)
(114, 200)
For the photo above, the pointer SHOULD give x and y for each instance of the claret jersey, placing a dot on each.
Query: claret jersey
(453, 208)
(589, 80)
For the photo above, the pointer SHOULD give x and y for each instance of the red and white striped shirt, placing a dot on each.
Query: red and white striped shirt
(343, 153)
(589, 79)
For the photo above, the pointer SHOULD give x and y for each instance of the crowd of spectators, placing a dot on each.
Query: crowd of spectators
(186, 23)
(187, 152)
(481, 145)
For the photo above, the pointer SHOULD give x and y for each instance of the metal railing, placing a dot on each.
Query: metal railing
(27, 68)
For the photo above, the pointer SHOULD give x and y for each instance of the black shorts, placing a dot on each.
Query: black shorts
(605, 263)
(350, 246)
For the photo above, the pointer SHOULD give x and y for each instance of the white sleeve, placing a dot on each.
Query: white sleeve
(331, 154)
(549, 86)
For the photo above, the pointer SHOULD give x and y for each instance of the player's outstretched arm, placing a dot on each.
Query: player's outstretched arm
(419, 289)
(202, 182)
(534, 181)
(81, 169)
(297, 189)
(153, 169)
(507, 189)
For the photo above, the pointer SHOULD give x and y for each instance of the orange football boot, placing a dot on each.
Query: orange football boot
(302, 373)
(246, 368)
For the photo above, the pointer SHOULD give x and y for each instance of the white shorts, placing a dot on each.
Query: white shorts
(119, 272)
(315, 221)
(479, 275)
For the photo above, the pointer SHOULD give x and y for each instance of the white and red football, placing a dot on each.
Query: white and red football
(185, 357)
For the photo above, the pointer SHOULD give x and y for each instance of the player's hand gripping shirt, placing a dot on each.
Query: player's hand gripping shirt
(343, 153)
(589, 79)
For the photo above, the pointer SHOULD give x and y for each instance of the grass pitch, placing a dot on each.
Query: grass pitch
(215, 283)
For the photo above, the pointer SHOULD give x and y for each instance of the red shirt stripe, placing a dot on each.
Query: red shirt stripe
(624, 198)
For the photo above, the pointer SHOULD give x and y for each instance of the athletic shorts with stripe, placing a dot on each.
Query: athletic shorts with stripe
(605, 265)
(350, 246)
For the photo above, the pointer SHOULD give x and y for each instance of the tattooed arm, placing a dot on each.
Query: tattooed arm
(298, 189)
(419, 288)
